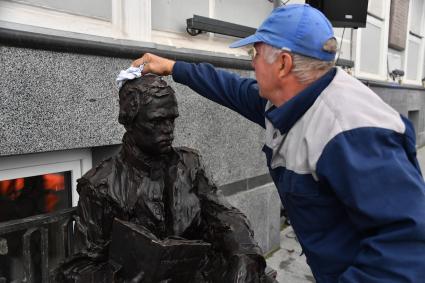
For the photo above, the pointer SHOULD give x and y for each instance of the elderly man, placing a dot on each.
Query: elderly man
(342, 160)
(163, 190)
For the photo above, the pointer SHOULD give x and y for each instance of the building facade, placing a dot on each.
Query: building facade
(58, 111)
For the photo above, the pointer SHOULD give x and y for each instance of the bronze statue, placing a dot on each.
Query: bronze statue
(171, 223)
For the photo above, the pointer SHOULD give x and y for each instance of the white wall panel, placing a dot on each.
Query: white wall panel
(101, 9)
(376, 7)
(414, 47)
(244, 12)
(171, 15)
(370, 49)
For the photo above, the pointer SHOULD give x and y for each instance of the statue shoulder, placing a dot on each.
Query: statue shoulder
(191, 157)
(193, 160)
(98, 174)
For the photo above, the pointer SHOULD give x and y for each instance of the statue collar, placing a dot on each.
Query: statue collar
(153, 166)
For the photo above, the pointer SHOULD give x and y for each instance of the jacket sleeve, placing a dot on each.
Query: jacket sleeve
(374, 176)
(228, 89)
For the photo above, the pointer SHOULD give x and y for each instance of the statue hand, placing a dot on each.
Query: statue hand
(154, 64)
(243, 268)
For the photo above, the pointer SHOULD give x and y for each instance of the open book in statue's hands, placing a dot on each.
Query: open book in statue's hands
(142, 255)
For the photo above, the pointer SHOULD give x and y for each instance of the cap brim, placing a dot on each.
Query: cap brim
(245, 41)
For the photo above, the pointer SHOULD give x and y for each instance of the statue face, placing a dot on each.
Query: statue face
(154, 125)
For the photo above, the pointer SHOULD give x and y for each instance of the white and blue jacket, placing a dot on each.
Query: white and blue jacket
(344, 163)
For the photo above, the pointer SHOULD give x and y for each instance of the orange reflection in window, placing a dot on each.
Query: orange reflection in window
(54, 182)
(11, 189)
(50, 201)
(19, 184)
(5, 186)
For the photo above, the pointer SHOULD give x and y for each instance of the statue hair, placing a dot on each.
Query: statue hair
(135, 94)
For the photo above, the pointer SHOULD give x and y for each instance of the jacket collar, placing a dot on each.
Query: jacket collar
(285, 116)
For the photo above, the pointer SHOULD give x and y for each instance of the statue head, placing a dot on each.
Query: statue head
(148, 108)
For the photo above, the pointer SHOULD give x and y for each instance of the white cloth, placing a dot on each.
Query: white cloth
(129, 74)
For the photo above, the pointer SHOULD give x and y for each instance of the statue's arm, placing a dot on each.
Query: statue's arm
(92, 223)
(229, 231)
(225, 221)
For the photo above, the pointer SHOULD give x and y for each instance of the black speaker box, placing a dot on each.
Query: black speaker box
(343, 13)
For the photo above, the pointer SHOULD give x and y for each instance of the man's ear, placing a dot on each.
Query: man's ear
(285, 64)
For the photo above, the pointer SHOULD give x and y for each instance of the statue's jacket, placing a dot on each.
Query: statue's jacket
(169, 197)
(344, 164)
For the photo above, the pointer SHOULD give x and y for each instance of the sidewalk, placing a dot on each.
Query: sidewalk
(290, 265)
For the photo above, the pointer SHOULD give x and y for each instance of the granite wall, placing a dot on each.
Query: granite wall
(55, 101)
(408, 101)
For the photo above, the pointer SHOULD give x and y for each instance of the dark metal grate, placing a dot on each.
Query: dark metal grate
(36, 231)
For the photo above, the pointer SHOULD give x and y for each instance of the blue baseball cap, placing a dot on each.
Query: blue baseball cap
(297, 28)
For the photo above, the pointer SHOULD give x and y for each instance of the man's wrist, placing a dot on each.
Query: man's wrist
(171, 66)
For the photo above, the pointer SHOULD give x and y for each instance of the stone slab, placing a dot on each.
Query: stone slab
(404, 101)
(262, 208)
(289, 262)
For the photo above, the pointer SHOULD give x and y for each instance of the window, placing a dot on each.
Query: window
(414, 54)
(169, 21)
(159, 21)
(254, 11)
(345, 50)
(377, 8)
(29, 185)
(415, 43)
(371, 42)
(28, 196)
(100, 9)
(171, 15)
(395, 60)
(48, 174)
(423, 68)
(126, 19)
(416, 18)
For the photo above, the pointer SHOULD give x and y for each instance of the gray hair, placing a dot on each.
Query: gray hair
(305, 69)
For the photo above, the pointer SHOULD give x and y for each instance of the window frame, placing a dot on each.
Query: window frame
(382, 23)
(76, 161)
(419, 67)
(419, 39)
(131, 19)
(345, 44)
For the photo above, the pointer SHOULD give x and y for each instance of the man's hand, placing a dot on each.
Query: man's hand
(155, 64)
